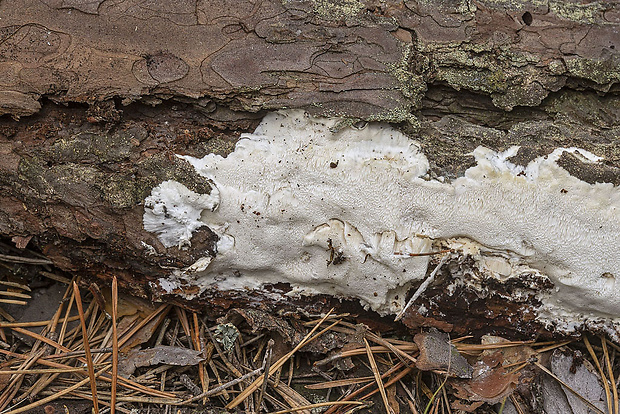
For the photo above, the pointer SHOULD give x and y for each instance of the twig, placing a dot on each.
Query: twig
(422, 288)
(26, 260)
(422, 254)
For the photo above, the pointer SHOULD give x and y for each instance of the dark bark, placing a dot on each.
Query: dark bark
(109, 91)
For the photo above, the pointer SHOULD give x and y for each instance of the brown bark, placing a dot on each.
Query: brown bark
(108, 92)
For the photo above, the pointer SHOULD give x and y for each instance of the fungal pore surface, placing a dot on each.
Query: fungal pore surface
(344, 211)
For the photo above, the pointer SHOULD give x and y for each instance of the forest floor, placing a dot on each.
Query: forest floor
(65, 349)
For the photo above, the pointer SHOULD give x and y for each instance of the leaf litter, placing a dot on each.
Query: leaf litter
(100, 350)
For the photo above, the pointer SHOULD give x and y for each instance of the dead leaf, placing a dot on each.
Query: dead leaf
(145, 333)
(487, 384)
(490, 381)
(169, 355)
(438, 354)
(469, 408)
(582, 377)
(128, 305)
(510, 355)
(260, 321)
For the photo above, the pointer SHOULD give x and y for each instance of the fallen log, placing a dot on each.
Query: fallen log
(501, 160)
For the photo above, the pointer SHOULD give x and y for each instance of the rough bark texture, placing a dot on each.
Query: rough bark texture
(100, 95)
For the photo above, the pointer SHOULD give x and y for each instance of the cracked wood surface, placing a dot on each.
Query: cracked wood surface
(367, 59)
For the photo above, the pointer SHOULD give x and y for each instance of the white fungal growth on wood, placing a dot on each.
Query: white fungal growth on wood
(173, 211)
(342, 212)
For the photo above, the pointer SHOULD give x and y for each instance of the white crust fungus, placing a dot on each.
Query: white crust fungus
(343, 212)
(172, 211)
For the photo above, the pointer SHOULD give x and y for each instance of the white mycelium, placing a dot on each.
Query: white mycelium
(172, 211)
(340, 213)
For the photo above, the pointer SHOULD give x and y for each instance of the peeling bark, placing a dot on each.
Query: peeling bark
(103, 94)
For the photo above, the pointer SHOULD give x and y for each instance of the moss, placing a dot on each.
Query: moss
(121, 191)
(32, 171)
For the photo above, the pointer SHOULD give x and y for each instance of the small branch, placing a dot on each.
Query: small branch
(422, 288)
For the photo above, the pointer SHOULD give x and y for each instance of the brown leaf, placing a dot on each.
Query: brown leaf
(170, 355)
(145, 333)
(489, 385)
(461, 405)
(261, 321)
(438, 354)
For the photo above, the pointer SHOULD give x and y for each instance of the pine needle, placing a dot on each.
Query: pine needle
(339, 383)
(89, 357)
(610, 372)
(34, 324)
(15, 285)
(15, 294)
(114, 345)
(318, 405)
(601, 372)
(55, 396)
(13, 302)
(258, 382)
(377, 374)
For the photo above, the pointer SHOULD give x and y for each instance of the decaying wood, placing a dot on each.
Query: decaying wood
(99, 96)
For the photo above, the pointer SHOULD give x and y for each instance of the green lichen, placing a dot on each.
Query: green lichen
(411, 85)
(588, 12)
(603, 71)
(474, 79)
(580, 13)
(337, 9)
(397, 115)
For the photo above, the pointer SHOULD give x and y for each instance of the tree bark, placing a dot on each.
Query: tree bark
(99, 96)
